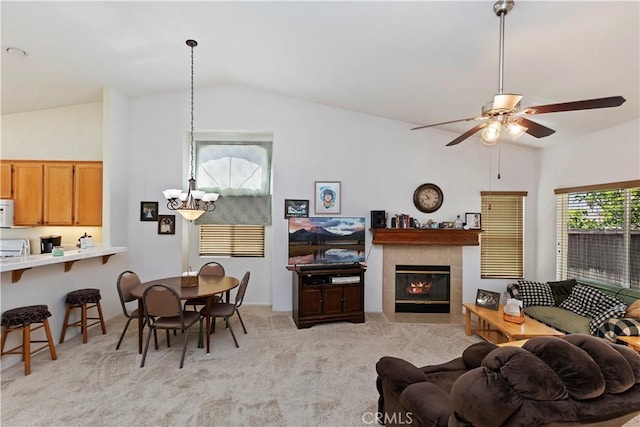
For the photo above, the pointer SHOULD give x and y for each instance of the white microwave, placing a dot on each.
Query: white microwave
(6, 213)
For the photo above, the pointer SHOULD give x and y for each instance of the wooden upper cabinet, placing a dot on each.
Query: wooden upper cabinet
(28, 192)
(5, 180)
(87, 190)
(58, 194)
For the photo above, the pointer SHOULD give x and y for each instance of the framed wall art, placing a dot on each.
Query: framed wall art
(166, 224)
(473, 220)
(488, 299)
(296, 208)
(148, 211)
(327, 197)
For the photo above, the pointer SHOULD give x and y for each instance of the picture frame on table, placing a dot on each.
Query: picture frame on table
(488, 299)
(166, 224)
(327, 197)
(294, 208)
(473, 220)
(148, 211)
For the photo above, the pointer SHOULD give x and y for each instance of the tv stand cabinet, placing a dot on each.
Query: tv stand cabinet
(327, 294)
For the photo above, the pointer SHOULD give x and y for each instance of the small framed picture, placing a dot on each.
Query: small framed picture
(148, 211)
(473, 220)
(166, 224)
(296, 208)
(327, 197)
(488, 299)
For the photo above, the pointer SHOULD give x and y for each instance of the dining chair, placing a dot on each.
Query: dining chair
(226, 309)
(127, 280)
(209, 269)
(163, 310)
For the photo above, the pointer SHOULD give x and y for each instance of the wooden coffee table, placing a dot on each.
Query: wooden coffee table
(633, 342)
(493, 328)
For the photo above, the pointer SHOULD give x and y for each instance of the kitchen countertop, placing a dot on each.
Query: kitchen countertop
(70, 255)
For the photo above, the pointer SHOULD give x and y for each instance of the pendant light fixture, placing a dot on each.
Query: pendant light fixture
(192, 204)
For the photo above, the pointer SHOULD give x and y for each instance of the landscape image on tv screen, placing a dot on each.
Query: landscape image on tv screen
(326, 240)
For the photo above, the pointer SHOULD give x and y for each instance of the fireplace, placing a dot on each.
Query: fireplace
(422, 289)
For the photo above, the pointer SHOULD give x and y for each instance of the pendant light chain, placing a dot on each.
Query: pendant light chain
(192, 152)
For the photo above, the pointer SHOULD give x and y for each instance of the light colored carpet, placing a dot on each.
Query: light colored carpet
(280, 375)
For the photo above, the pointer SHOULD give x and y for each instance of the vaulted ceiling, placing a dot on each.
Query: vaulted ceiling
(418, 62)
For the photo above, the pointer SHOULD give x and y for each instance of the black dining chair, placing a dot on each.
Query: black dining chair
(226, 310)
(163, 310)
(209, 269)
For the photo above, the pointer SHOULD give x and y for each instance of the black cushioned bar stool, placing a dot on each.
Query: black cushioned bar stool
(21, 319)
(83, 299)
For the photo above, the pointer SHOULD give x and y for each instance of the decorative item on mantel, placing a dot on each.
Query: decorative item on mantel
(192, 204)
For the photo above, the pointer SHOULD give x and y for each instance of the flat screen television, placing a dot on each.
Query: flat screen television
(326, 240)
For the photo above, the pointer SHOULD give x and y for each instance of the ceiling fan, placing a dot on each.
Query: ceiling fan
(505, 112)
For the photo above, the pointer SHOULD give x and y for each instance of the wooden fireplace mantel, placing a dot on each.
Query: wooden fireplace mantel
(419, 236)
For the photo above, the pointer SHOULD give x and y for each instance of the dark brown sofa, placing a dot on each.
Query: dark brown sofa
(578, 379)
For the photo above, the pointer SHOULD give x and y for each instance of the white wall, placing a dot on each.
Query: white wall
(380, 162)
(604, 157)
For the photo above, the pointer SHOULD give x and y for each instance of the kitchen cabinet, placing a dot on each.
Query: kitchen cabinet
(5, 180)
(327, 295)
(87, 194)
(28, 186)
(57, 193)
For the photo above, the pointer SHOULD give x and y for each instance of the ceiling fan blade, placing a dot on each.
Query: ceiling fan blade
(535, 129)
(450, 121)
(468, 133)
(587, 104)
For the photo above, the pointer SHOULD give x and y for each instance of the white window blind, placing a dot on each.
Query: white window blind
(502, 237)
(232, 240)
(598, 233)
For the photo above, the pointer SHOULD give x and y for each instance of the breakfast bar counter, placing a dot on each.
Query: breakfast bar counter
(18, 265)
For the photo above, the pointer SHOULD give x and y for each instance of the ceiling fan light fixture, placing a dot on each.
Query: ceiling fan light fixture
(515, 130)
(491, 133)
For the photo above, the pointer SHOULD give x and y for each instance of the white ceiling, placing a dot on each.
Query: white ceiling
(418, 62)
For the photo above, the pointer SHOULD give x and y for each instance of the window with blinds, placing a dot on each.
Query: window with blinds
(502, 237)
(232, 240)
(598, 233)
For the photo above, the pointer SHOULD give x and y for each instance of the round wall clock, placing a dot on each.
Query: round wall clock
(428, 198)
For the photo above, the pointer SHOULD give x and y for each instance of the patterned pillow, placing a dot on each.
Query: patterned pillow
(534, 293)
(613, 328)
(582, 300)
(614, 312)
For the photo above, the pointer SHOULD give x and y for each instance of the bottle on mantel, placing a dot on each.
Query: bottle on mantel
(458, 223)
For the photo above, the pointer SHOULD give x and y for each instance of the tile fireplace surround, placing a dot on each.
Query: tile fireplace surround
(421, 255)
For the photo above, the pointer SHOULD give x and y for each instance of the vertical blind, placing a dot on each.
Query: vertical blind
(598, 233)
(232, 240)
(502, 237)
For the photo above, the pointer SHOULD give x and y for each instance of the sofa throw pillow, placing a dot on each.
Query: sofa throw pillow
(582, 300)
(614, 312)
(534, 293)
(633, 311)
(561, 289)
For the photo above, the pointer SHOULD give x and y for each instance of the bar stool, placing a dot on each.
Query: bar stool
(83, 299)
(22, 318)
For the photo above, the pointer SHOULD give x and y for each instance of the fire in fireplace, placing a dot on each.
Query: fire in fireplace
(422, 289)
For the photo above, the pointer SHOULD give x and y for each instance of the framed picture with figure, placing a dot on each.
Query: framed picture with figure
(327, 197)
(473, 220)
(166, 224)
(488, 299)
(148, 211)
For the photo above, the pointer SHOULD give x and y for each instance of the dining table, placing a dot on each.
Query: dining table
(187, 288)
